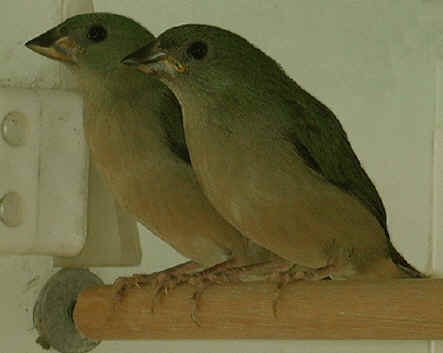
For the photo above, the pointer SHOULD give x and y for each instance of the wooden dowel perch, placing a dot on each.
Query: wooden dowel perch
(396, 309)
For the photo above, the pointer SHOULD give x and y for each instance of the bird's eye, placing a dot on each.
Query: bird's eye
(97, 33)
(197, 50)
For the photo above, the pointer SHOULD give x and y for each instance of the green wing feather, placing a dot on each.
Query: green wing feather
(320, 140)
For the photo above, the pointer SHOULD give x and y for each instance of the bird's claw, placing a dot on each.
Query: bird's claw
(164, 283)
(296, 273)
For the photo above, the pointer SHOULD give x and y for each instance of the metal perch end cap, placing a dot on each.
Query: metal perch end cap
(54, 308)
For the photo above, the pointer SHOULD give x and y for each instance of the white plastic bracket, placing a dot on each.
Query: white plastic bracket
(44, 172)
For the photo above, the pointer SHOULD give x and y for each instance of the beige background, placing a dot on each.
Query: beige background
(376, 64)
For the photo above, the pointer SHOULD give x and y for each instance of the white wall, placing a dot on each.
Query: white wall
(374, 63)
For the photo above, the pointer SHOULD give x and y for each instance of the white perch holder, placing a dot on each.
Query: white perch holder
(44, 172)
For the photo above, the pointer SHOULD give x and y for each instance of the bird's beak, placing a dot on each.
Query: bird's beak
(55, 46)
(153, 61)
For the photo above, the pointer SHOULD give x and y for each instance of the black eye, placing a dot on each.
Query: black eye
(97, 33)
(197, 50)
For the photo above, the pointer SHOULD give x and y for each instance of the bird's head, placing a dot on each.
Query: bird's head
(96, 41)
(204, 56)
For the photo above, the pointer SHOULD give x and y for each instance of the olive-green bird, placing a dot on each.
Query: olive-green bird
(272, 159)
(134, 130)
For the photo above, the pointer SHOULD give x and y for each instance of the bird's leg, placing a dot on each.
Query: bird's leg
(297, 273)
(196, 300)
(162, 281)
(220, 273)
(230, 272)
(279, 270)
(167, 280)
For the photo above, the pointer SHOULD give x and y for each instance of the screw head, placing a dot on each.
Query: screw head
(15, 128)
(11, 209)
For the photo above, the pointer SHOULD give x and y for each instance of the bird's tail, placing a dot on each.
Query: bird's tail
(401, 262)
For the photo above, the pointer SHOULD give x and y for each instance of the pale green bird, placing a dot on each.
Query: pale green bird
(133, 127)
(272, 159)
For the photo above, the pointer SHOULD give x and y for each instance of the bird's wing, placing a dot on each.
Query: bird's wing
(320, 140)
(172, 123)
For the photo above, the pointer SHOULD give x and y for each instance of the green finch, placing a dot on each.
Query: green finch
(134, 130)
(273, 160)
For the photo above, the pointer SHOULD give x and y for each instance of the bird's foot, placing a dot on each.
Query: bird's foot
(221, 273)
(162, 281)
(196, 297)
(297, 273)
(228, 272)
(123, 284)
(163, 284)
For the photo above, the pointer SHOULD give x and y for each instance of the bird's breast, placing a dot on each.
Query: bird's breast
(257, 181)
